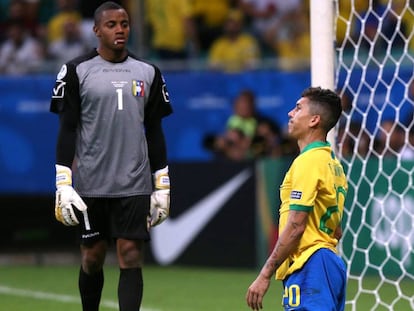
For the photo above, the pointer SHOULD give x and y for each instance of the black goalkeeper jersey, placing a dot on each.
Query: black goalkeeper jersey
(111, 103)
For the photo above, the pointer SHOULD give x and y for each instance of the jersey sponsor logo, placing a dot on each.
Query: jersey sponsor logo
(138, 88)
(173, 236)
(90, 235)
(59, 89)
(119, 84)
(116, 70)
(296, 195)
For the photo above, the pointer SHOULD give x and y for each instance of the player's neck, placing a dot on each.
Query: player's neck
(311, 137)
(113, 56)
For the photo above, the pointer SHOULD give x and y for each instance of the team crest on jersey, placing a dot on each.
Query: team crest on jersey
(138, 88)
(296, 195)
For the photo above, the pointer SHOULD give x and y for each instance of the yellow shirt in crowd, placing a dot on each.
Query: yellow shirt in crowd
(234, 55)
(167, 18)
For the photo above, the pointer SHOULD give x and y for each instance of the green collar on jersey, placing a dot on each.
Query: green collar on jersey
(316, 144)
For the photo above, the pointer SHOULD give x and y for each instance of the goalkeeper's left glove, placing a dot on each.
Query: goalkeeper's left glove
(160, 198)
(68, 201)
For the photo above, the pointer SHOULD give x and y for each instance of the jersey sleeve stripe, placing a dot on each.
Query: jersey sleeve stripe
(300, 208)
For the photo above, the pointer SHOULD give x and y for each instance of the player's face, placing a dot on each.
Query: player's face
(300, 119)
(113, 29)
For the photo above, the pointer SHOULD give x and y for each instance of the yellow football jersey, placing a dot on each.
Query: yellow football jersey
(167, 18)
(315, 183)
(234, 55)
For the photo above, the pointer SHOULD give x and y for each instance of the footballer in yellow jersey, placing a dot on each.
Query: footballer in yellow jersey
(313, 193)
(316, 184)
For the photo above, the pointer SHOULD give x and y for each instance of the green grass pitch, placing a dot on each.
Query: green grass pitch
(171, 288)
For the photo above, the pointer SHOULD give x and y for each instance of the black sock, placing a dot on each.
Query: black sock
(90, 288)
(130, 289)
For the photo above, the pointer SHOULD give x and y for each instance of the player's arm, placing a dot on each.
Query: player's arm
(157, 153)
(66, 103)
(157, 150)
(287, 243)
(338, 232)
(158, 106)
(66, 140)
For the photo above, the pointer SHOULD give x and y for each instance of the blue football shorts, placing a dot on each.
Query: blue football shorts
(319, 286)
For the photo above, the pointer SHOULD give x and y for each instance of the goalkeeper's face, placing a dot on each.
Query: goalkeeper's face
(113, 29)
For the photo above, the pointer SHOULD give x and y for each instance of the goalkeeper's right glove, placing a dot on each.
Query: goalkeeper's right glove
(160, 198)
(67, 198)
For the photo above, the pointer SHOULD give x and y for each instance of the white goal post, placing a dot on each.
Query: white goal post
(364, 49)
(322, 52)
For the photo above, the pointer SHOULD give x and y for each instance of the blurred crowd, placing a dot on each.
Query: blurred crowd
(376, 27)
(392, 138)
(37, 36)
(249, 135)
(226, 35)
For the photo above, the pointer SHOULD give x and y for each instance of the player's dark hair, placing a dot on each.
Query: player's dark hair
(109, 5)
(325, 102)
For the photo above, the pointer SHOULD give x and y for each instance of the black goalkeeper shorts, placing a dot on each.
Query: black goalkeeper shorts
(112, 218)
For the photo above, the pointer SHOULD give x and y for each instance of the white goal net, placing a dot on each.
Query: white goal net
(374, 75)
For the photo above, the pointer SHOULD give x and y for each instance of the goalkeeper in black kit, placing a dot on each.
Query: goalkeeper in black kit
(110, 106)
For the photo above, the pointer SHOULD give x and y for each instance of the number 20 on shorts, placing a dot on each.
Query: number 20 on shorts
(291, 295)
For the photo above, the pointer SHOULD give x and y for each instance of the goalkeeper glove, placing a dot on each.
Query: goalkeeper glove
(67, 198)
(160, 198)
